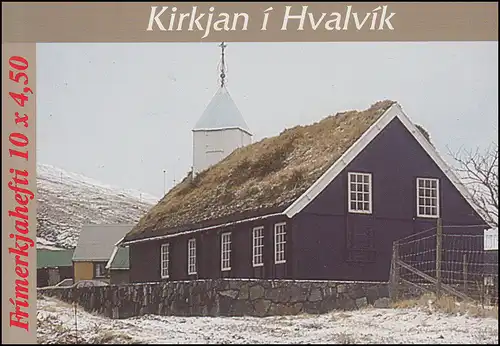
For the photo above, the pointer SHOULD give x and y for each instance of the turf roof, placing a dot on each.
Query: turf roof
(269, 174)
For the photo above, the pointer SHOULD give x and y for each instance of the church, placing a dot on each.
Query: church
(324, 201)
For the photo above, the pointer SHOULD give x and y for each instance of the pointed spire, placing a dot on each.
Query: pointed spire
(222, 65)
(221, 112)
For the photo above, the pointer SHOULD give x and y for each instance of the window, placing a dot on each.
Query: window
(100, 269)
(360, 193)
(225, 261)
(279, 243)
(489, 281)
(165, 252)
(490, 241)
(191, 256)
(427, 197)
(258, 246)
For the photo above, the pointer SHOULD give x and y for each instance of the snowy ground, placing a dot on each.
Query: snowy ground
(56, 324)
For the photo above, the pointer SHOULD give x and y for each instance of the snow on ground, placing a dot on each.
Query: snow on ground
(56, 324)
(67, 200)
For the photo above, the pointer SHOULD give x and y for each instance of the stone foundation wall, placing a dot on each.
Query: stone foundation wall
(223, 297)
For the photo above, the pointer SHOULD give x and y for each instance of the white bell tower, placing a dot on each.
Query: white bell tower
(221, 128)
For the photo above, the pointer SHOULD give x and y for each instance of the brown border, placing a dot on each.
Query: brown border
(127, 22)
(26, 23)
(16, 196)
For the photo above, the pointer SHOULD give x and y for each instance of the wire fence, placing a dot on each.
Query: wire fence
(449, 258)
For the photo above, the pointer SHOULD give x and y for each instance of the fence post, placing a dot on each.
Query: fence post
(75, 306)
(465, 273)
(394, 272)
(439, 251)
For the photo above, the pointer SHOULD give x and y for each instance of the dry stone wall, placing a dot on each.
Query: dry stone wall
(223, 297)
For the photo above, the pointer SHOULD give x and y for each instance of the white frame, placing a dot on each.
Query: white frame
(191, 262)
(258, 243)
(370, 192)
(417, 189)
(225, 262)
(279, 227)
(490, 240)
(165, 260)
(489, 281)
(102, 273)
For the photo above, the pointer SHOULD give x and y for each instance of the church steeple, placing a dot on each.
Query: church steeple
(221, 128)
(222, 112)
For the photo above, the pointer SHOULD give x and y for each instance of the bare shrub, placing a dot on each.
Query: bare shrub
(448, 305)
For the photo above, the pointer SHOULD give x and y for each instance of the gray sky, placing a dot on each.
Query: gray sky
(122, 113)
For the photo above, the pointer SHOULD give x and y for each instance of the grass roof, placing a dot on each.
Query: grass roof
(268, 174)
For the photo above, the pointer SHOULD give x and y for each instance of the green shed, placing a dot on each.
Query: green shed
(118, 265)
(53, 266)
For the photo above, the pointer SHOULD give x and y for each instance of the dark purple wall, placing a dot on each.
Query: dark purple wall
(144, 261)
(333, 244)
(145, 257)
(119, 277)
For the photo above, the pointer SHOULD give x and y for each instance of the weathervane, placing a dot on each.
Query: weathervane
(222, 66)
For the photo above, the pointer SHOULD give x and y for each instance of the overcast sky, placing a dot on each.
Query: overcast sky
(122, 113)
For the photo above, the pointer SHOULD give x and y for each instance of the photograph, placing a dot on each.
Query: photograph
(250, 173)
(301, 162)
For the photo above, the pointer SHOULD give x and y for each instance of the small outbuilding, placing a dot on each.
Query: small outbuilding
(53, 266)
(95, 247)
(118, 266)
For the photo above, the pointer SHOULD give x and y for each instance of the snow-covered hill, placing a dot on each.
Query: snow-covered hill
(68, 200)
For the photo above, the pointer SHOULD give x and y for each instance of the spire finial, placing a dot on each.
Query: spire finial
(222, 65)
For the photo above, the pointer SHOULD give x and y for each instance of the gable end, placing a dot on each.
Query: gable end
(395, 111)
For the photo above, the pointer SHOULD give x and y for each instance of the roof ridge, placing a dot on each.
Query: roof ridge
(266, 175)
(252, 171)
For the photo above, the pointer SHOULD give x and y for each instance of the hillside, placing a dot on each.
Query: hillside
(67, 200)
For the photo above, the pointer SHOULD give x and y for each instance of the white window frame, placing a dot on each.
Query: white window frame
(489, 281)
(100, 270)
(225, 251)
(349, 191)
(164, 260)
(191, 263)
(258, 246)
(424, 180)
(279, 230)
